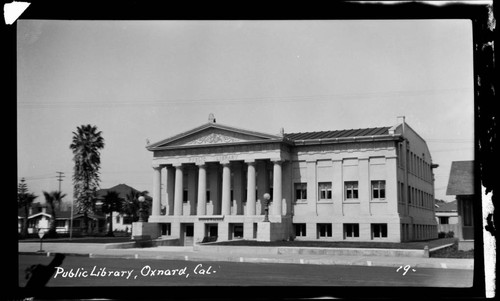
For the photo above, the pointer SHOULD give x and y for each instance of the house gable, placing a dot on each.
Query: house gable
(213, 134)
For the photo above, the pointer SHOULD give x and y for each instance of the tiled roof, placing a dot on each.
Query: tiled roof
(461, 181)
(339, 133)
(446, 206)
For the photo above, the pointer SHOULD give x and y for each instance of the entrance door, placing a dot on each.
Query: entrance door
(188, 234)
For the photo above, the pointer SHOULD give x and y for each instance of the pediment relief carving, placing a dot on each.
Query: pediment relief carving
(213, 138)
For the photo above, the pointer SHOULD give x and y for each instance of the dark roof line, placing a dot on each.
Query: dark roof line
(339, 133)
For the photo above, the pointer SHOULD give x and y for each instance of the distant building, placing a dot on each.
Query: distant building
(39, 218)
(372, 184)
(447, 217)
(121, 221)
(461, 185)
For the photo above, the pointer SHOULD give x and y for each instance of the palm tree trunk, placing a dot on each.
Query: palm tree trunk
(85, 224)
(53, 231)
(110, 230)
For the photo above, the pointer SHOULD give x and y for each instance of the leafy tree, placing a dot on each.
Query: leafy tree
(112, 202)
(86, 145)
(53, 200)
(24, 200)
(132, 205)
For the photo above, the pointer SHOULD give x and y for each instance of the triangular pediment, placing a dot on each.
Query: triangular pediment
(213, 134)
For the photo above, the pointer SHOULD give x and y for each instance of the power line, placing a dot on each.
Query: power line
(239, 100)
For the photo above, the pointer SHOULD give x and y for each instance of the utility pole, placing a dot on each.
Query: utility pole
(59, 178)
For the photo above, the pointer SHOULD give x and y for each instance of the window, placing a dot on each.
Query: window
(208, 195)
(300, 191)
(325, 191)
(402, 191)
(324, 230)
(378, 190)
(351, 230)
(31, 223)
(185, 196)
(300, 230)
(238, 231)
(351, 190)
(379, 230)
(409, 195)
(117, 219)
(165, 229)
(60, 223)
(127, 220)
(444, 220)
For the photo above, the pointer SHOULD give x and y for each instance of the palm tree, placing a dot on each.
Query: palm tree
(131, 205)
(86, 144)
(53, 200)
(24, 200)
(112, 203)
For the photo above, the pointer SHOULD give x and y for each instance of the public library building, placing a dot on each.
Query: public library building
(372, 184)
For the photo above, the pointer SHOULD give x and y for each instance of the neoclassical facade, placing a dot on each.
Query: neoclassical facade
(360, 185)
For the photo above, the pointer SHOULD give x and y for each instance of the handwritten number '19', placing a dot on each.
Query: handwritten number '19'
(406, 268)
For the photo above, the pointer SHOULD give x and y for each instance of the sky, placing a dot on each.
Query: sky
(149, 80)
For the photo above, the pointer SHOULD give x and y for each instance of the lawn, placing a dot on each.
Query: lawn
(415, 245)
(452, 252)
(95, 240)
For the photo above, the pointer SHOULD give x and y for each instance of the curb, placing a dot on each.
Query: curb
(361, 262)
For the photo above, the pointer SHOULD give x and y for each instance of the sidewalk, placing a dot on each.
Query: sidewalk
(187, 253)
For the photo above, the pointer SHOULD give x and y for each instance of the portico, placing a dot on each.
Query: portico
(198, 182)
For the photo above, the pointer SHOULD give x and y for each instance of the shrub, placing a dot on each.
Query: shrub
(450, 234)
(441, 235)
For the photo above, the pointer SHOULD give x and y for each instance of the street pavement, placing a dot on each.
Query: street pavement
(188, 254)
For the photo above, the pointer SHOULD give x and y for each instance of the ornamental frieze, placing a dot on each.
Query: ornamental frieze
(213, 138)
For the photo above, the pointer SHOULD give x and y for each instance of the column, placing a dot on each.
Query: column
(170, 182)
(262, 184)
(250, 187)
(391, 184)
(312, 188)
(214, 181)
(156, 192)
(192, 186)
(179, 190)
(238, 188)
(226, 189)
(202, 190)
(338, 191)
(277, 186)
(364, 186)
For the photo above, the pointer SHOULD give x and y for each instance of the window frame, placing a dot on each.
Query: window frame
(302, 187)
(328, 230)
(300, 226)
(382, 229)
(354, 190)
(378, 189)
(326, 188)
(354, 230)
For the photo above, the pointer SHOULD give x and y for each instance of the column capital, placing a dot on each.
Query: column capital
(156, 166)
(201, 164)
(277, 161)
(225, 162)
(177, 165)
(250, 161)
